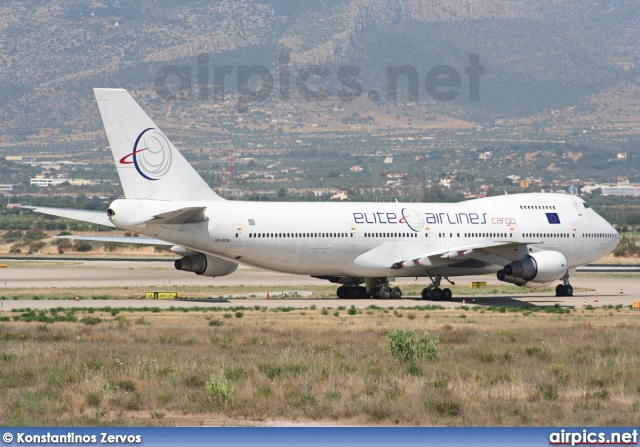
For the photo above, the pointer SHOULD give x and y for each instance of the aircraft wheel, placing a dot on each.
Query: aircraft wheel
(426, 294)
(568, 290)
(561, 290)
(340, 292)
(362, 292)
(446, 294)
(396, 293)
(437, 294)
(385, 292)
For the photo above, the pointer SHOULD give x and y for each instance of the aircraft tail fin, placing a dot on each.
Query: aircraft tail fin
(149, 165)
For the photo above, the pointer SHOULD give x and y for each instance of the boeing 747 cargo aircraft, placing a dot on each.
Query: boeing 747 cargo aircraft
(525, 239)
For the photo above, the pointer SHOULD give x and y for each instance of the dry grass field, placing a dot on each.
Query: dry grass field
(254, 366)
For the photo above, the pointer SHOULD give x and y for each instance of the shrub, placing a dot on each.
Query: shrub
(194, 381)
(407, 346)
(83, 246)
(220, 389)
(35, 232)
(91, 321)
(36, 246)
(533, 351)
(239, 314)
(446, 407)
(126, 385)
(352, 310)
(548, 391)
(93, 399)
(263, 391)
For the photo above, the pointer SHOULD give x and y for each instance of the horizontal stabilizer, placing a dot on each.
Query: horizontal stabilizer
(187, 215)
(118, 239)
(96, 217)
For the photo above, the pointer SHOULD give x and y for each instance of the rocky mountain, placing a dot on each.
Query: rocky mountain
(537, 56)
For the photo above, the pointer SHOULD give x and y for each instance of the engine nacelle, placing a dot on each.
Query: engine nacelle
(540, 267)
(205, 265)
(511, 279)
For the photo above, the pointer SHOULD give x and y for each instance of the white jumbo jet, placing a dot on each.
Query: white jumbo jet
(526, 239)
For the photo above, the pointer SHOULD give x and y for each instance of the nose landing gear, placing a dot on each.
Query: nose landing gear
(564, 289)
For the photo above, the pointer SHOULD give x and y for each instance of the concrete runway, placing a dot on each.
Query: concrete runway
(141, 274)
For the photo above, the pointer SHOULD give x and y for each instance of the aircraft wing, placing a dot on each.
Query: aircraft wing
(118, 239)
(457, 254)
(96, 217)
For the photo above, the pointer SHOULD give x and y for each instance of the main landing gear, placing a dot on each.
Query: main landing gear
(565, 288)
(434, 292)
(352, 292)
(382, 291)
(385, 292)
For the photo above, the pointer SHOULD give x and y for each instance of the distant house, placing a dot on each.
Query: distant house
(621, 155)
(39, 181)
(356, 168)
(388, 160)
(341, 195)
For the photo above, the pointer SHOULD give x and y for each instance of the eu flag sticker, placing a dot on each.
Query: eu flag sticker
(553, 218)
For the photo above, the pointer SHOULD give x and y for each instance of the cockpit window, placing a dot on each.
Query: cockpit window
(585, 205)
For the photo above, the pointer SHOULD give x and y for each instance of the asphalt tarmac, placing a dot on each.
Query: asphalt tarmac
(61, 274)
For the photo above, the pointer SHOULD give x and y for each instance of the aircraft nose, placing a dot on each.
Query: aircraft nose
(614, 240)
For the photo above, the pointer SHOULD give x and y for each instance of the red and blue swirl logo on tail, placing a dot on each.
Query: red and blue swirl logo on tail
(151, 155)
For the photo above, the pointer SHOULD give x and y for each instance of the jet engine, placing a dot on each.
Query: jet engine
(205, 265)
(539, 267)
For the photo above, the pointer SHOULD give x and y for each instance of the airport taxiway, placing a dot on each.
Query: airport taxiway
(139, 275)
